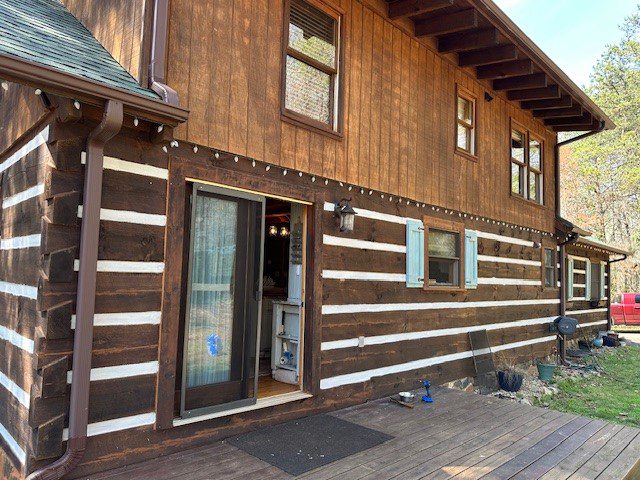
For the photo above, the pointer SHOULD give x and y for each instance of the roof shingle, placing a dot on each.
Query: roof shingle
(45, 32)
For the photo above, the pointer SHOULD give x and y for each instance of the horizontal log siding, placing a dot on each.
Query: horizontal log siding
(443, 333)
(22, 204)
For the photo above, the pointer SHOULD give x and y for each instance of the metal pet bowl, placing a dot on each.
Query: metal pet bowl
(407, 397)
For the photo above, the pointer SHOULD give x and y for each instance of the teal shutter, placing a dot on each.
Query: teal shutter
(569, 278)
(415, 254)
(603, 280)
(587, 280)
(470, 259)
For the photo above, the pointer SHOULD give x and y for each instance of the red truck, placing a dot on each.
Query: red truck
(627, 311)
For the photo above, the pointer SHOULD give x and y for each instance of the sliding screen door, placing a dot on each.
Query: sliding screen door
(223, 300)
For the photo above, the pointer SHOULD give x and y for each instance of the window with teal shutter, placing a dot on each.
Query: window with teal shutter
(470, 259)
(415, 254)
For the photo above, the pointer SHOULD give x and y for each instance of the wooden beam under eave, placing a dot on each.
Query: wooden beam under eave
(487, 56)
(505, 69)
(449, 23)
(552, 91)
(408, 8)
(595, 125)
(574, 111)
(562, 102)
(585, 119)
(469, 40)
(536, 80)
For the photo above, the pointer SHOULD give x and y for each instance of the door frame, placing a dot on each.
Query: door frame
(225, 171)
(261, 199)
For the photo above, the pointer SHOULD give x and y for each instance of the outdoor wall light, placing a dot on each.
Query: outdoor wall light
(273, 230)
(284, 232)
(345, 212)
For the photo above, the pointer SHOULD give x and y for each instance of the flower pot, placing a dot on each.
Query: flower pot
(509, 381)
(545, 371)
(597, 342)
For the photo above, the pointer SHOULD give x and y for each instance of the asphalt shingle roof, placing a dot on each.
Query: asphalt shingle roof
(45, 32)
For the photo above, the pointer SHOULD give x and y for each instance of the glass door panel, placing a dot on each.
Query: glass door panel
(223, 300)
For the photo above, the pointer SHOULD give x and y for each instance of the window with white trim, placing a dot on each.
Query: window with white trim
(526, 164)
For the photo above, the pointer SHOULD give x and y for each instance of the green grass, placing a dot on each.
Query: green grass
(614, 396)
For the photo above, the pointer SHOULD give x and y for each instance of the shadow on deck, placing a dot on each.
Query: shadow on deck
(461, 436)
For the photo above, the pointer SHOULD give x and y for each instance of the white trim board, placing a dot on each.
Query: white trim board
(441, 332)
(120, 371)
(260, 403)
(507, 281)
(39, 139)
(395, 307)
(367, 276)
(16, 339)
(119, 165)
(20, 454)
(23, 196)
(13, 388)
(366, 375)
(27, 241)
(124, 318)
(129, 216)
(19, 290)
(119, 266)
(363, 244)
(504, 239)
(591, 310)
(517, 261)
(116, 425)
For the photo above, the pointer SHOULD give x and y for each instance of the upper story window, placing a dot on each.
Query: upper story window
(312, 65)
(526, 164)
(465, 122)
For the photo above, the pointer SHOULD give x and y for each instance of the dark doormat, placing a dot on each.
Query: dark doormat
(302, 445)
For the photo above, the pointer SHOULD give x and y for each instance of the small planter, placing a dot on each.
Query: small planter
(598, 342)
(545, 371)
(509, 381)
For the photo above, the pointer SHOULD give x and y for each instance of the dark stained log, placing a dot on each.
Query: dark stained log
(58, 266)
(54, 378)
(563, 101)
(42, 410)
(459, 42)
(450, 23)
(405, 8)
(56, 322)
(584, 119)
(576, 110)
(63, 209)
(506, 69)
(58, 182)
(552, 91)
(47, 439)
(487, 56)
(536, 80)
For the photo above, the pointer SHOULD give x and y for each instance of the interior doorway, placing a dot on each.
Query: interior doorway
(242, 323)
(282, 299)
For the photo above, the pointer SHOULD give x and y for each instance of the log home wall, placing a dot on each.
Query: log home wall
(421, 335)
(399, 108)
(119, 26)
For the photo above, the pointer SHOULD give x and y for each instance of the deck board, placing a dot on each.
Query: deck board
(460, 435)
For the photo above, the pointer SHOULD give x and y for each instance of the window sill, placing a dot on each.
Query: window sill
(443, 289)
(466, 155)
(533, 203)
(309, 124)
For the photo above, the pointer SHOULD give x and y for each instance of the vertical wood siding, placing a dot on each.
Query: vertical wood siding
(398, 111)
(118, 26)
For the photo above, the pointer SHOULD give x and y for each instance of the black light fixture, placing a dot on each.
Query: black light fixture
(346, 213)
(488, 97)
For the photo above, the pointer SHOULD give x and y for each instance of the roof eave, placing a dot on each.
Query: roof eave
(510, 30)
(602, 246)
(55, 81)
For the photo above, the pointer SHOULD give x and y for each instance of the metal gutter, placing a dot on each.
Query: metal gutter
(85, 302)
(513, 33)
(159, 53)
(36, 75)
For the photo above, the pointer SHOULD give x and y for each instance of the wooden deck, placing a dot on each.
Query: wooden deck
(461, 436)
